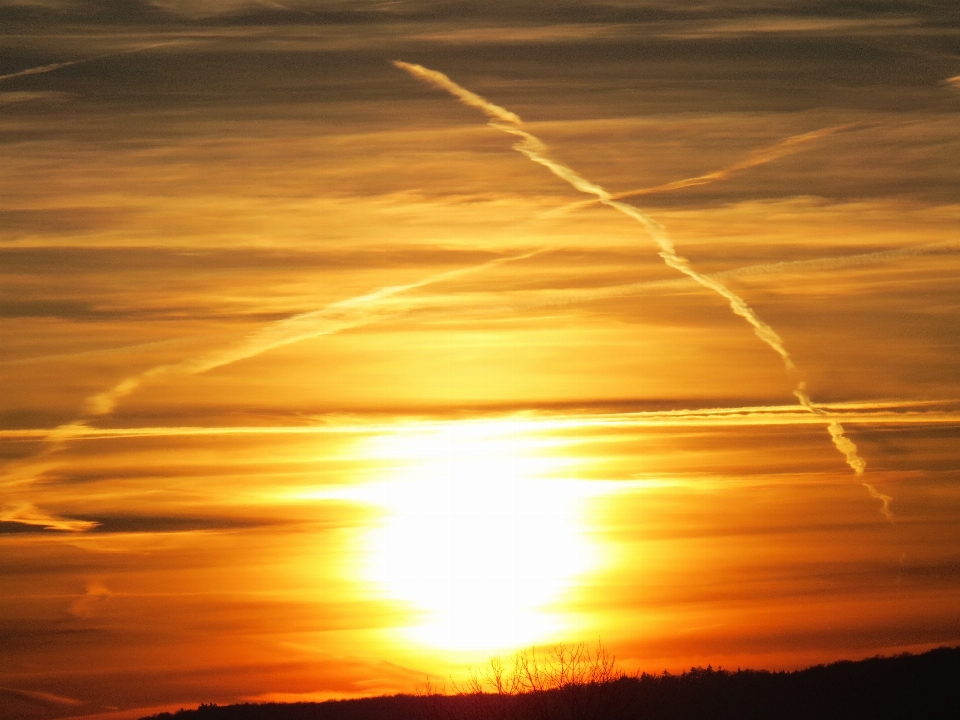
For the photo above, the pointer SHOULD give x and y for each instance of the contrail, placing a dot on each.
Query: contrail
(880, 412)
(760, 156)
(846, 446)
(438, 79)
(330, 319)
(46, 68)
(57, 66)
(534, 149)
(333, 318)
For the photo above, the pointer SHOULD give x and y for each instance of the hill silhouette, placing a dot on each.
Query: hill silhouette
(918, 687)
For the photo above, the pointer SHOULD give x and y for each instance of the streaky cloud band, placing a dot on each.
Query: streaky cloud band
(879, 412)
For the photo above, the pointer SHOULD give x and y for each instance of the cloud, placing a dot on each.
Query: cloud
(39, 698)
(86, 606)
(794, 25)
(29, 514)
(119, 349)
(10, 98)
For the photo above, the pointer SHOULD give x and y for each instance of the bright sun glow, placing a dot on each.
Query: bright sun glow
(479, 535)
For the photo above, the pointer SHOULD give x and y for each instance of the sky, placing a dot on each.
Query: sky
(346, 345)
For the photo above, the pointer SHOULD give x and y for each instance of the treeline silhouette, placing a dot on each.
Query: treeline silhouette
(573, 683)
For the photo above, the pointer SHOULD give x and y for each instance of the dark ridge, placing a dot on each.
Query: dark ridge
(905, 686)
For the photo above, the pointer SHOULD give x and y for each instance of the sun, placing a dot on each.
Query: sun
(479, 534)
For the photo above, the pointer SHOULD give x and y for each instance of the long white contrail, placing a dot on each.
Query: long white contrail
(438, 79)
(533, 148)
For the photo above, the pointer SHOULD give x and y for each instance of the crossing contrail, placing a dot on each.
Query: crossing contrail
(534, 149)
(379, 304)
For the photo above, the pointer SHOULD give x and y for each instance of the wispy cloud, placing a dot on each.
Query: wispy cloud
(43, 698)
(10, 98)
(28, 514)
(120, 349)
(87, 604)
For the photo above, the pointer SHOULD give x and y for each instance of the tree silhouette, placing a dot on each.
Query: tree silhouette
(566, 682)
(575, 682)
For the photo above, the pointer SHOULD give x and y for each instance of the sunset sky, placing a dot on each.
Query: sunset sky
(346, 344)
